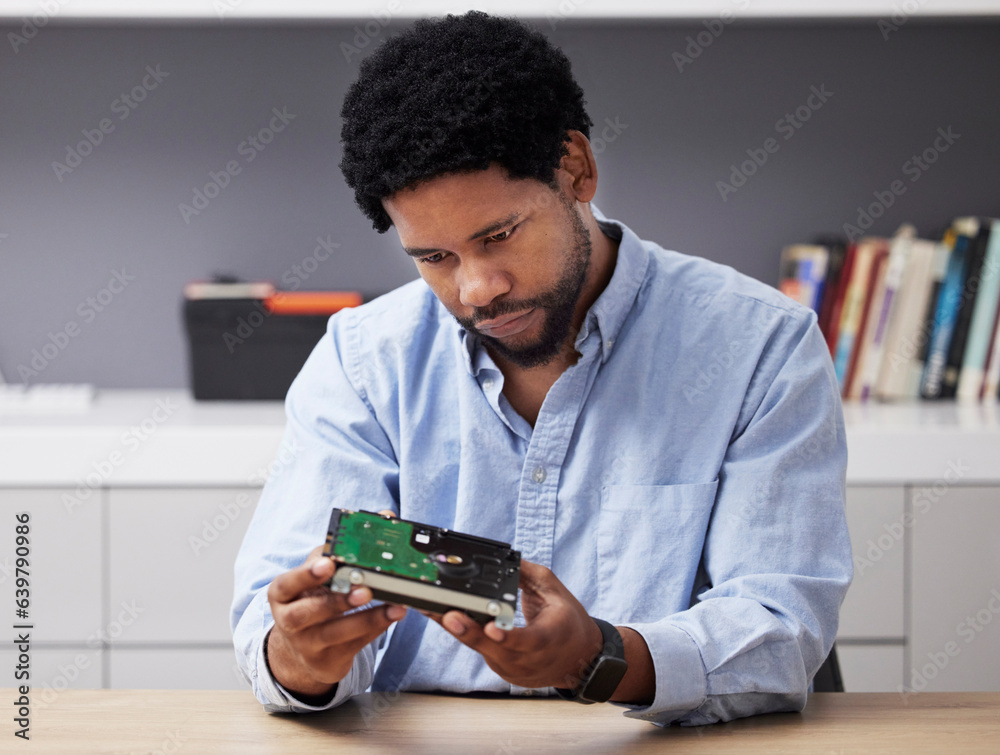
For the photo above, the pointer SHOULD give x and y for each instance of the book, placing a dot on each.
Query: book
(945, 312)
(802, 272)
(973, 370)
(938, 272)
(978, 234)
(837, 296)
(836, 253)
(901, 365)
(855, 298)
(866, 326)
(991, 376)
(884, 305)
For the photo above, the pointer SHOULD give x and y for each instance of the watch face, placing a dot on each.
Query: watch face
(605, 679)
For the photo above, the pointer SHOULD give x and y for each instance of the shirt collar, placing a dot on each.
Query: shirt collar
(616, 301)
(606, 315)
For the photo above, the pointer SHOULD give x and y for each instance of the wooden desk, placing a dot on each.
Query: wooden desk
(117, 721)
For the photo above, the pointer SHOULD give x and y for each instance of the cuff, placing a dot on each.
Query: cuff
(681, 679)
(277, 699)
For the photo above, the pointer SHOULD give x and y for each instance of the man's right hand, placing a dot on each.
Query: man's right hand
(312, 644)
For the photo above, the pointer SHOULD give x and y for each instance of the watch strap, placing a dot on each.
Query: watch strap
(602, 676)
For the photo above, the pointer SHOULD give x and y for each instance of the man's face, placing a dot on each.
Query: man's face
(508, 258)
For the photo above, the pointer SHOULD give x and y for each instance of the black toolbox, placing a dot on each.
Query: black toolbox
(240, 350)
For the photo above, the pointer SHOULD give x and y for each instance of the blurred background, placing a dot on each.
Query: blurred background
(677, 116)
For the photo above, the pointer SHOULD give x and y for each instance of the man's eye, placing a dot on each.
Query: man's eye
(432, 259)
(502, 236)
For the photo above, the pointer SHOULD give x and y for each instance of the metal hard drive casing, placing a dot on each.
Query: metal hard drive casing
(422, 566)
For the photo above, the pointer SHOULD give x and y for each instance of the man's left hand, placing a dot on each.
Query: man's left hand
(553, 650)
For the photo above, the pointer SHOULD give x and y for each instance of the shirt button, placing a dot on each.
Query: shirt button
(609, 343)
(487, 384)
(538, 475)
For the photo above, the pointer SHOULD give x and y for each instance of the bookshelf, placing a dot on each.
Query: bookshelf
(906, 317)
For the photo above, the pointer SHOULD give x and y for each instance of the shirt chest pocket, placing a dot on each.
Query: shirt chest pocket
(649, 544)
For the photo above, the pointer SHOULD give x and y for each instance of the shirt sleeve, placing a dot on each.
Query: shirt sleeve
(776, 562)
(333, 454)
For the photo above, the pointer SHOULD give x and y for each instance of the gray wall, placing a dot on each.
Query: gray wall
(62, 241)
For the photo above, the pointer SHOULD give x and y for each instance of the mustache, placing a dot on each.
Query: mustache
(494, 312)
(499, 309)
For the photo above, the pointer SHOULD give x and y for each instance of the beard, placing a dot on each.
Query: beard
(558, 304)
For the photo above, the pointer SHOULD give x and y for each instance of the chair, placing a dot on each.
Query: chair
(828, 677)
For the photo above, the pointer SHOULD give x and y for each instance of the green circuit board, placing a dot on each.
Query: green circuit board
(375, 542)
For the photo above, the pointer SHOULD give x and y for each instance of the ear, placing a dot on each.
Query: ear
(579, 167)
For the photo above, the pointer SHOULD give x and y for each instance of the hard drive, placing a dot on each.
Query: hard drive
(423, 566)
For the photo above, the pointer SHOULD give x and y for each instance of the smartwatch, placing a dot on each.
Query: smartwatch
(601, 678)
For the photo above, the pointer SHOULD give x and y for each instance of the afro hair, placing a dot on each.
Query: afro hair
(455, 95)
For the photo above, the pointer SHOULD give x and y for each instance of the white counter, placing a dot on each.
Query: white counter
(143, 438)
(164, 437)
(919, 442)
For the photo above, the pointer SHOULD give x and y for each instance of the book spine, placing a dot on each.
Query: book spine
(939, 265)
(872, 300)
(991, 377)
(820, 284)
(974, 363)
(944, 322)
(889, 305)
(850, 317)
(836, 252)
(900, 344)
(836, 309)
(788, 276)
(803, 277)
(966, 305)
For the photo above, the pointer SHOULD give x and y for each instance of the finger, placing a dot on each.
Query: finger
(487, 639)
(494, 632)
(505, 657)
(481, 638)
(459, 624)
(316, 606)
(388, 512)
(359, 628)
(290, 585)
(463, 628)
(535, 578)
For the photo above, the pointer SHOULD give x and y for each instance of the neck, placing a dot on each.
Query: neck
(603, 256)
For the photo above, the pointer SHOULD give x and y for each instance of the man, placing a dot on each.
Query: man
(660, 436)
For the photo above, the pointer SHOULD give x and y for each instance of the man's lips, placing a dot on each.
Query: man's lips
(506, 326)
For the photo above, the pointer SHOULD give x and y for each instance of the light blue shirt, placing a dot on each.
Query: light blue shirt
(684, 478)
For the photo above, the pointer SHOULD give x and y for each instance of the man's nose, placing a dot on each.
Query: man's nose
(481, 282)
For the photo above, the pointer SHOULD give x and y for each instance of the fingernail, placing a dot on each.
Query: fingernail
(455, 626)
(357, 598)
(395, 613)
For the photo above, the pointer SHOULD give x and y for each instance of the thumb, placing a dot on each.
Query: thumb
(535, 577)
(290, 585)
